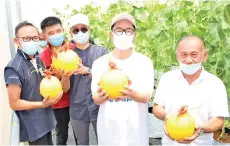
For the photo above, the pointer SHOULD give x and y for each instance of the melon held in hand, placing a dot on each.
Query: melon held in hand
(113, 81)
(180, 125)
(66, 60)
(50, 86)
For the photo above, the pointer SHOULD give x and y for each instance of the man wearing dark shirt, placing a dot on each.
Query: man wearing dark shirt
(22, 78)
(83, 110)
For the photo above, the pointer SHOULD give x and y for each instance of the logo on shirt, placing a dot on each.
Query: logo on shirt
(123, 100)
(13, 77)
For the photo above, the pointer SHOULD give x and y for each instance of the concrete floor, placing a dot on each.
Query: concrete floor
(92, 138)
(71, 141)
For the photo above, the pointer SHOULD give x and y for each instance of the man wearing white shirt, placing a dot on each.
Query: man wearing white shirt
(193, 86)
(124, 121)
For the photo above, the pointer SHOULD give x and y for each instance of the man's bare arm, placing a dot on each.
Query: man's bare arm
(159, 111)
(16, 103)
(213, 125)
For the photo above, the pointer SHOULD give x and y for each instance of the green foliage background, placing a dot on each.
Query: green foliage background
(160, 26)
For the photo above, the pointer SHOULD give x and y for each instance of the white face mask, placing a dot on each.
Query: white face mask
(123, 42)
(190, 69)
(81, 38)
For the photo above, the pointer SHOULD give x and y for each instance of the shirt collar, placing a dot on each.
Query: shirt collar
(200, 78)
(24, 55)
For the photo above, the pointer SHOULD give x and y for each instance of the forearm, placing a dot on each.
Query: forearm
(58, 76)
(25, 105)
(214, 124)
(159, 112)
(65, 81)
(97, 99)
(141, 97)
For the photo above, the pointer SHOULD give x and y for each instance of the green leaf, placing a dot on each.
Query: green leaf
(152, 33)
(141, 14)
(182, 25)
(227, 13)
(194, 29)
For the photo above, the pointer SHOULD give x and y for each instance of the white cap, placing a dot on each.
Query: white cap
(123, 16)
(78, 19)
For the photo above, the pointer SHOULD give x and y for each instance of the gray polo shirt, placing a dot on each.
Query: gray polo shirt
(82, 106)
(34, 123)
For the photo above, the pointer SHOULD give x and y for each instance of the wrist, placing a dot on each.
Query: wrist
(139, 96)
(87, 71)
(201, 130)
(41, 105)
(134, 94)
(97, 100)
(65, 78)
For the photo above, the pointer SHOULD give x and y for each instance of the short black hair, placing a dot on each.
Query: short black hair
(23, 24)
(49, 21)
(115, 23)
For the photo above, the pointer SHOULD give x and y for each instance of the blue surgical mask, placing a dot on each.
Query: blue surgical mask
(30, 48)
(57, 39)
(43, 43)
(81, 38)
(190, 69)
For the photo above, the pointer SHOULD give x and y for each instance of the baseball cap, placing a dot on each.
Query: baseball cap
(78, 19)
(123, 16)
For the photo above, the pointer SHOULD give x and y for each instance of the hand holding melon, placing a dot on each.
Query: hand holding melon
(113, 81)
(181, 126)
(50, 89)
(81, 69)
(65, 60)
(49, 101)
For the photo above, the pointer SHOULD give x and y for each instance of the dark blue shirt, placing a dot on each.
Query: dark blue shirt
(34, 123)
(82, 106)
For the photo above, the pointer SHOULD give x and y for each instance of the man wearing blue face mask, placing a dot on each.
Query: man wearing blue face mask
(43, 43)
(22, 78)
(53, 33)
(192, 86)
(83, 110)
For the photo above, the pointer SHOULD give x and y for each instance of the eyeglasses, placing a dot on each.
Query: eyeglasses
(128, 31)
(76, 30)
(28, 39)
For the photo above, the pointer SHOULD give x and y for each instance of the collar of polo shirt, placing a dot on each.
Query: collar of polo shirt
(25, 56)
(200, 78)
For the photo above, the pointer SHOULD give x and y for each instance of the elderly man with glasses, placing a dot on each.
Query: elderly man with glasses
(83, 110)
(123, 121)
